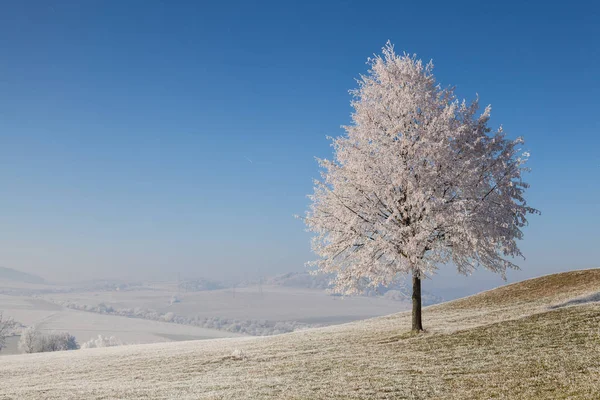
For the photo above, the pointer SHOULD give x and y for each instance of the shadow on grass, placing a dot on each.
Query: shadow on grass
(592, 298)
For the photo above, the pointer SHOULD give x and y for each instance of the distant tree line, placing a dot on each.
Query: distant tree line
(249, 327)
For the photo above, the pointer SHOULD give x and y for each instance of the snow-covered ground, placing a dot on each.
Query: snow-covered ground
(267, 302)
(85, 325)
(61, 309)
(523, 341)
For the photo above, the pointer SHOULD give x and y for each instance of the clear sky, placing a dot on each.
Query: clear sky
(150, 138)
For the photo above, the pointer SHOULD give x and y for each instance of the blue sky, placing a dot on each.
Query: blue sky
(150, 138)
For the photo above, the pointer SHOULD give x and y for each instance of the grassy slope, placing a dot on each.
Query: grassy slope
(505, 343)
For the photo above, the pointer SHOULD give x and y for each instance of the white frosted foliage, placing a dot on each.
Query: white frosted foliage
(417, 180)
(102, 341)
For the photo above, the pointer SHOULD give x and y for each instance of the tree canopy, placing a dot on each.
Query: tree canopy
(417, 180)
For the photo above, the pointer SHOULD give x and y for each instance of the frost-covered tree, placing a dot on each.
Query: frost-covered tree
(102, 341)
(418, 180)
(6, 327)
(32, 340)
(60, 341)
(29, 340)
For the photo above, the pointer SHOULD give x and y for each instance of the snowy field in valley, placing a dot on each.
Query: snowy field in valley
(61, 308)
(267, 302)
(86, 325)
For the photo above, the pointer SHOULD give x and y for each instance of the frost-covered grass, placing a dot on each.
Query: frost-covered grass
(474, 348)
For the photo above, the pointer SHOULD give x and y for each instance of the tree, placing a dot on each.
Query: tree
(34, 341)
(60, 341)
(417, 180)
(6, 327)
(29, 340)
(102, 341)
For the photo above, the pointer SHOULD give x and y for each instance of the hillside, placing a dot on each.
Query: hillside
(18, 276)
(529, 340)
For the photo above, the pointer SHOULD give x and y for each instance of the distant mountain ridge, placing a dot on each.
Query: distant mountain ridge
(306, 280)
(19, 276)
(200, 285)
(303, 280)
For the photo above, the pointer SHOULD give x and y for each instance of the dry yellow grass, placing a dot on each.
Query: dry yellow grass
(539, 290)
(474, 349)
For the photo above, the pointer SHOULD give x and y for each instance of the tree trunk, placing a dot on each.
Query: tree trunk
(417, 324)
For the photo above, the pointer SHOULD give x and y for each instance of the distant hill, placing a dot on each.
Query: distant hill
(18, 276)
(304, 280)
(300, 280)
(200, 285)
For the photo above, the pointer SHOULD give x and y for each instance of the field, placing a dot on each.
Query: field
(538, 339)
(85, 325)
(44, 306)
(269, 302)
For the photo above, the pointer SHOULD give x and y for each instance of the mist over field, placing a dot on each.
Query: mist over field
(157, 311)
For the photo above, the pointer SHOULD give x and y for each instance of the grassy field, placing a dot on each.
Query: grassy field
(522, 341)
